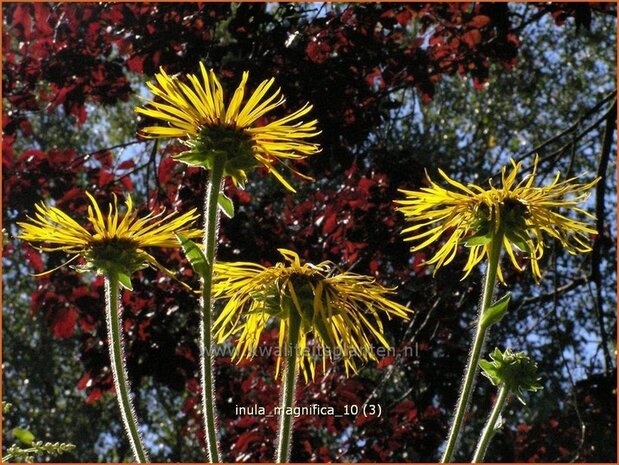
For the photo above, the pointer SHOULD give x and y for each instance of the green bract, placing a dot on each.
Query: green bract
(230, 144)
(119, 256)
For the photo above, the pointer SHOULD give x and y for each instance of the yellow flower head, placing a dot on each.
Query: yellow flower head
(195, 113)
(517, 213)
(340, 311)
(114, 243)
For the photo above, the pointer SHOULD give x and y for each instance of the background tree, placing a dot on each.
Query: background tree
(397, 88)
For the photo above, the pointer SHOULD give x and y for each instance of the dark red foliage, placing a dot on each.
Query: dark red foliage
(356, 59)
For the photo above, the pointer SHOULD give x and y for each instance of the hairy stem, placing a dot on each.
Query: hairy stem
(119, 371)
(490, 427)
(290, 382)
(494, 255)
(211, 233)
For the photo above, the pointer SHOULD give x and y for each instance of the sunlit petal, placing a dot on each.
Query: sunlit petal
(188, 110)
(339, 309)
(518, 208)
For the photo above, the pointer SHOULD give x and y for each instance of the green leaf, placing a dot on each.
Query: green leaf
(193, 158)
(322, 330)
(490, 369)
(125, 281)
(24, 436)
(519, 239)
(226, 205)
(194, 255)
(270, 299)
(495, 312)
(480, 238)
(486, 365)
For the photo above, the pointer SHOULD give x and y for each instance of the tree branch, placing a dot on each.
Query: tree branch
(559, 290)
(572, 128)
(596, 254)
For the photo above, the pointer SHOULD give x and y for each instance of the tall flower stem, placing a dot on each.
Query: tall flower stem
(119, 371)
(494, 255)
(211, 233)
(290, 382)
(490, 427)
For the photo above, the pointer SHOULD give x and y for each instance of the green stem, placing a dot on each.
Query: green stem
(494, 255)
(211, 227)
(119, 371)
(490, 427)
(290, 382)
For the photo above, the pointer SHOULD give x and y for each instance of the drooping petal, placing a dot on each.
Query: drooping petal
(114, 236)
(340, 310)
(520, 208)
(186, 110)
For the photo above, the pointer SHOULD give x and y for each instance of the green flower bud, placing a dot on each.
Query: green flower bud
(516, 371)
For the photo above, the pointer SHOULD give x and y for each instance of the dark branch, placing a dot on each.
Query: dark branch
(596, 254)
(572, 128)
(559, 290)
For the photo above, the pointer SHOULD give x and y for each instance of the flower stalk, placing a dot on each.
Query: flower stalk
(113, 245)
(211, 234)
(515, 216)
(490, 427)
(119, 371)
(288, 394)
(228, 140)
(513, 373)
(339, 309)
(224, 139)
(494, 255)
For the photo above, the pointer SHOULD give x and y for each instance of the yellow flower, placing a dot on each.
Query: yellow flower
(519, 213)
(340, 311)
(195, 113)
(114, 243)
